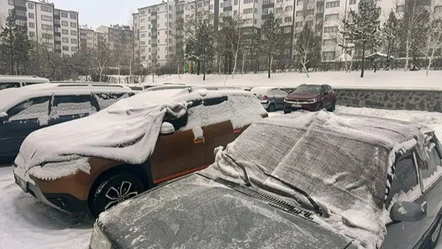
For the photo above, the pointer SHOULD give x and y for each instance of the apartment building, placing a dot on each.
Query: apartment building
(87, 38)
(117, 35)
(55, 28)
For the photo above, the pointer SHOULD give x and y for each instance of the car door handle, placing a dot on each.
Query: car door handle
(199, 140)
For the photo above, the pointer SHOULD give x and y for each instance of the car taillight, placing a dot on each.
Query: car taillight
(265, 97)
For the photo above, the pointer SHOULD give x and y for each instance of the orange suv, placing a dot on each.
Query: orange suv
(99, 161)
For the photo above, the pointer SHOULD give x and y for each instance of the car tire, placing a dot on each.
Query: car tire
(332, 107)
(113, 190)
(433, 241)
(287, 110)
(320, 106)
(271, 108)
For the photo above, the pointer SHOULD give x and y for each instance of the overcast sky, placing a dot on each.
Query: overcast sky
(103, 12)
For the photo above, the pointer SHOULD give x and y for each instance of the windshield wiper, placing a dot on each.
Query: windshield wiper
(318, 209)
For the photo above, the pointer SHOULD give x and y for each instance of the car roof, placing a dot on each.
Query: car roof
(12, 96)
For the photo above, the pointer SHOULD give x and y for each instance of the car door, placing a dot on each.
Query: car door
(326, 99)
(69, 107)
(281, 96)
(23, 119)
(405, 186)
(181, 152)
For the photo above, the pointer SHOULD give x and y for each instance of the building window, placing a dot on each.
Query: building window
(287, 30)
(298, 24)
(46, 18)
(65, 48)
(279, 1)
(73, 25)
(288, 19)
(65, 40)
(57, 21)
(57, 38)
(32, 34)
(331, 17)
(73, 32)
(143, 13)
(332, 4)
(267, 1)
(64, 14)
(64, 23)
(143, 35)
(30, 6)
(170, 7)
(330, 55)
(330, 42)
(47, 36)
(299, 2)
(74, 49)
(288, 8)
(400, 8)
(46, 8)
(46, 27)
(310, 12)
(65, 32)
(31, 25)
(352, 2)
(279, 10)
(143, 43)
(332, 29)
(73, 16)
(267, 11)
(248, 11)
(299, 13)
(248, 1)
(143, 28)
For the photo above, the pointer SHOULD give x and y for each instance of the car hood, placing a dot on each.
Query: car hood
(301, 96)
(197, 212)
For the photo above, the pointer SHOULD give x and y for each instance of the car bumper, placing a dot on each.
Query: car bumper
(62, 201)
(294, 105)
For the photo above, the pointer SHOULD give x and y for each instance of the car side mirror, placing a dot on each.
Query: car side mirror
(408, 211)
(166, 128)
(4, 117)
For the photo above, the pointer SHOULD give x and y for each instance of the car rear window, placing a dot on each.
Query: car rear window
(107, 99)
(308, 89)
(433, 170)
(260, 90)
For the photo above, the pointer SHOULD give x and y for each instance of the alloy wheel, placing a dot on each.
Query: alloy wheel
(115, 195)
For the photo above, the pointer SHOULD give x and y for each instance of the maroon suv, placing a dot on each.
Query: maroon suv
(310, 97)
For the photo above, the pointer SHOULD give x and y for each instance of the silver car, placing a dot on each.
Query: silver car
(272, 98)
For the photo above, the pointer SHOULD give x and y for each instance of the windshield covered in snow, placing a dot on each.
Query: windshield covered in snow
(260, 90)
(313, 89)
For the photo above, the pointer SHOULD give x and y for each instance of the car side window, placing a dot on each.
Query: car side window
(30, 109)
(9, 85)
(434, 168)
(405, 177)
(72, 105)
(329, 89)
(207, 112)
(107, 99)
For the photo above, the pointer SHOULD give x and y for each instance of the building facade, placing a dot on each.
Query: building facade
(56, 29)
(160, 30)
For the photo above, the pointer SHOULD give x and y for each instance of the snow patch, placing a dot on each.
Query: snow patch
(197, 132)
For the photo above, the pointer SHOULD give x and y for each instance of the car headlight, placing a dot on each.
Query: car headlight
(312, 100)
(99, 240)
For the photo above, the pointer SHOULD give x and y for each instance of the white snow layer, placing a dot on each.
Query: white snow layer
(348, 177)
(126, 131)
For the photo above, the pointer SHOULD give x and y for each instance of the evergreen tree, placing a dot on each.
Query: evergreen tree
(14, 44)
(363, 28)
(390, 32)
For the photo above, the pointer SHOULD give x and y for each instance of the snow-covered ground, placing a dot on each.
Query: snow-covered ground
(381, 79)
(26, 223)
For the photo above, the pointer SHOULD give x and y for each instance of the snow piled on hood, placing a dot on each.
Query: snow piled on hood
(126, 131)
(348, 178)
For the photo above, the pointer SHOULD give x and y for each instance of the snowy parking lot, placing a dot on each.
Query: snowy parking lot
(27, 223)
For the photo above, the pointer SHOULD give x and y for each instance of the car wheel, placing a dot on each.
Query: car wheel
(271, 108)
(434, 238)
(287, 110)
(113, 190)
(320, 106)
(332, 107)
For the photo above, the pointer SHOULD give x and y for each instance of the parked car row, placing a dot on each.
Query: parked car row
(314, 179)
(12, 81)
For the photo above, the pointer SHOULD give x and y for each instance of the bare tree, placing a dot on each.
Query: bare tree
(270, 40)
(99, 58)
(233, 36)
(433, 35)
(307, 46)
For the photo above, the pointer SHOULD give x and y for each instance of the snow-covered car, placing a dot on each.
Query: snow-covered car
(317, 180)
(272, 98)
(16, 81)
(135, 144)
(27, 109)
(310, 97)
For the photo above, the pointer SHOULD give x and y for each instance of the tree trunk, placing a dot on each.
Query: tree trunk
(243, 62)
(363, 60)
(407, 49)
(198, 70)
(270, 67)
(235, 61)
(430, 61)
(219, 66)
(304, 62)
(204, 70)
(178, 69)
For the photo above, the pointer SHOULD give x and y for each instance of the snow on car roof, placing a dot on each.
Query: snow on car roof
(126, 131)
(343, 162)
(21, 78)
(12, 96)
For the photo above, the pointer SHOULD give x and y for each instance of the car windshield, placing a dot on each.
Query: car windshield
(308, 89)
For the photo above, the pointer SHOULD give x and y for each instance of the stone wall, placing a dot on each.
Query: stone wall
(395, 99)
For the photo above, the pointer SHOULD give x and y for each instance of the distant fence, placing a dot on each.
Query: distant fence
(394, 99)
